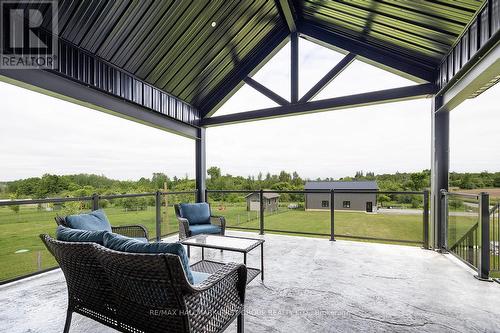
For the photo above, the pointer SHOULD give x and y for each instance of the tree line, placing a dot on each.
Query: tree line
(50, 185)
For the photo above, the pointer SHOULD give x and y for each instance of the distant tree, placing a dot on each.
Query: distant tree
(214, 172)
(383, 199)
(418, 181)
(466, 182)
(284, 177)
(496, 181)
(158, 180)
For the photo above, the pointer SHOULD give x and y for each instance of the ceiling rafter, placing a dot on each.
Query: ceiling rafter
(337, 103)
(266, 91)
(329, 77)
(287, 11)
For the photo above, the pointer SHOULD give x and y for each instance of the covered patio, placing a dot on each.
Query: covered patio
(311, 285)
(172, 64)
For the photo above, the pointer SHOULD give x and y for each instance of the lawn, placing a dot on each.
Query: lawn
(19, 231)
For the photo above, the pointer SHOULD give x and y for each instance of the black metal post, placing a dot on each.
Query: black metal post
(261, 211)
(439, 171)
(158, 215)
(294, 63)
(206, 195)
(201, 166)
(95, 201)
(483, 267)
(332, 215)
(425, 220)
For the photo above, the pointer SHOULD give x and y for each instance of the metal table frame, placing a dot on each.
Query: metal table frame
(209, 266)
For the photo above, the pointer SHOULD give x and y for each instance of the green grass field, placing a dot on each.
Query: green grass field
(19, 231)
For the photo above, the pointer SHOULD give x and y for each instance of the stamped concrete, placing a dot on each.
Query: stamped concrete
(311, 285)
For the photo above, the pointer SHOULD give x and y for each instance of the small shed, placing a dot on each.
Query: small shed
(271, 201)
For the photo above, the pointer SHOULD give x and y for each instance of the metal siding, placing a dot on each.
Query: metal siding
(358, 201)
(495, 16)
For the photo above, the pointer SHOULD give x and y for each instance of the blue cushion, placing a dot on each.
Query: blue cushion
(126, 244)
(199, 277)
(95, 220)
(198, 213)
(77, 235)
(204, 229)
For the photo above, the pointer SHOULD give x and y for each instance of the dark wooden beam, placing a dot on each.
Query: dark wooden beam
(266, 91)
(391, 61)
(329, 77)
(337, 103)
(288, 13)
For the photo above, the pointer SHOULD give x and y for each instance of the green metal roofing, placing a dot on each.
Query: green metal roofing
(201, 50)
(420, 29)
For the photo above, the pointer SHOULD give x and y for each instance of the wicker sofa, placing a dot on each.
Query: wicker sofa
(134, 292)
(134, 231)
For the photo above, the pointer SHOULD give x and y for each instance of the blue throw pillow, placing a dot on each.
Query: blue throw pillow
(95, 220)
(126, 244)
(198, 213)
(77, 235)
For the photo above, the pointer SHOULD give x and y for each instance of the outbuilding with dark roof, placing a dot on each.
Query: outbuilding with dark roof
(349, 195)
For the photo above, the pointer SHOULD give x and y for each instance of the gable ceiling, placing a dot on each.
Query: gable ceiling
(200, 51)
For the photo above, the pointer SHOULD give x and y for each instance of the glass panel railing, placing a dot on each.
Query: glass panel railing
(240, 209)
(299, 217)
(462, 226)
(392, 217)
(131, 209)
(21, 250)
(495, 238)
(169, 223)
(396, 217)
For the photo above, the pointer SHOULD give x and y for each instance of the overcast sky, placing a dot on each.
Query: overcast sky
(41, 134)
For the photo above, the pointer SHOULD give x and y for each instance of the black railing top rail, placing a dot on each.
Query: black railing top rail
(87, 198)
(460, 194)
(127, 195)
(46, 200)
(319, 191)
(178, 192)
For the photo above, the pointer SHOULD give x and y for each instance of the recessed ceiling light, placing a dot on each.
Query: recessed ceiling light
(214, 24)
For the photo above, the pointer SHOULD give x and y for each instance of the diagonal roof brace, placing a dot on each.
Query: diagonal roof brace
(337, 103)
(265, 91)
(329, 77)
(288, 13)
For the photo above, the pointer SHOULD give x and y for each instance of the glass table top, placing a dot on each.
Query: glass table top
(223, 242)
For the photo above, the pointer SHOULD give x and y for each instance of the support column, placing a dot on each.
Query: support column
(294, 67)
(440, 167)
(201, 165)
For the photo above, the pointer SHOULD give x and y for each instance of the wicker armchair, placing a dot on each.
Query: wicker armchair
(185, 232)
(134, 231)
(148, 293)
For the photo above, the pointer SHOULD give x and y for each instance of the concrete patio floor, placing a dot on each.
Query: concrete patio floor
(311, 285)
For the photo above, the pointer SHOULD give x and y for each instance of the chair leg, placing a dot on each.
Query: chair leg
(67, 325)
(240, 323)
